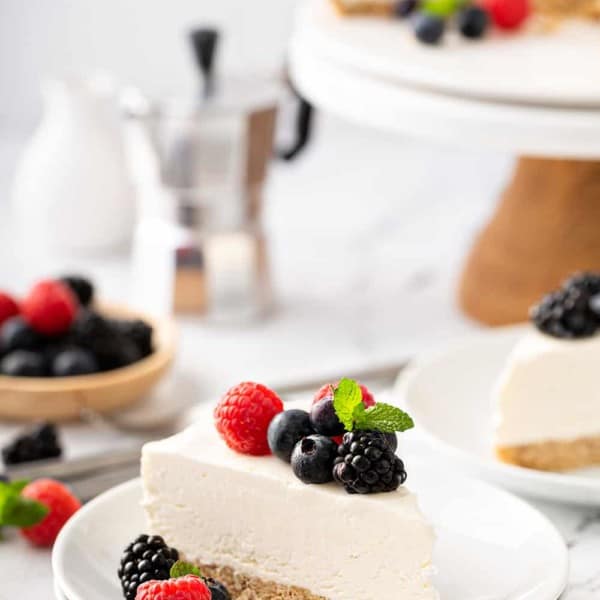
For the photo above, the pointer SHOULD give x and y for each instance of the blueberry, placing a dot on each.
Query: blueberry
(16, 334)
(473, 22)
(312, 459)
(286, 430)
(404, 8)
(74, 362)
(324, 418)
(217, 589)
(429, 29)
(23, 363)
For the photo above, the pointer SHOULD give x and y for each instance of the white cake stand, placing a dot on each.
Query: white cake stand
(533, 95)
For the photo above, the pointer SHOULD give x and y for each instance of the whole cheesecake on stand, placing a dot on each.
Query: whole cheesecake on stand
(547, 400)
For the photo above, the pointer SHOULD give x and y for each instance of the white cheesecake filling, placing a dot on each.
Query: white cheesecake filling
(549, 390)
(253, 515)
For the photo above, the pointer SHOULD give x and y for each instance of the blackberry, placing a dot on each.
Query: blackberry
(81, 287)
(573, 311)
(217, 589)
(40, 443)
(146, 558)
(366, 464)
(111, 348)
(74, 362)
(137, 331)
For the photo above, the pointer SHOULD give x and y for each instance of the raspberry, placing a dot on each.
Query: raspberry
(50, 307)
(328, 389)
(190, 587)
(508, 14)
(61, 504)
(8, 307)
(243, 416)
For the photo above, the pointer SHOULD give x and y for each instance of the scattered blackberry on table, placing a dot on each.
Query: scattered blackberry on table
(81, 287)
(366, 464)
(74, 362)
(572, 311)
(217, 589)
(24, 363)
(147, 558)
(473, 21)
(4, 478)
(16, 334)
(324, 418)
(429, 29)
(286, 430)
(40, 443)
(312, 459)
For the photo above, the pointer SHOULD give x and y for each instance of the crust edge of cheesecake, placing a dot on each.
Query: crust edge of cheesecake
(553, 455)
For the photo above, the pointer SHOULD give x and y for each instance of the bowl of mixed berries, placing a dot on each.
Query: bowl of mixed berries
(62, 351)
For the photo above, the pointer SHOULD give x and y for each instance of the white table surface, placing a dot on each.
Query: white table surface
(365, 255)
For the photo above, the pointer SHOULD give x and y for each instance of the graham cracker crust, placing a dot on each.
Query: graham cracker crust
(243, 587)
(363, 8)
(554, 455)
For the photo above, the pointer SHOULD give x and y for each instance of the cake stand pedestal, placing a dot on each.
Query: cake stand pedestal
(547, 223)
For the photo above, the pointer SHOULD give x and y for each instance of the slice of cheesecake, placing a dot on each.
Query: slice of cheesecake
(548, 403)
(364, 7)
(251, 522)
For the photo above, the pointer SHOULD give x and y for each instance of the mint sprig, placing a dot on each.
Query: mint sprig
(17, 511)
(182, 568)
(348, 405)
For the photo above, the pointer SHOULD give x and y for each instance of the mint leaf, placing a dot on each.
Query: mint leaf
(346, 397)
(181, 568)
(383, 417)
(17, 511)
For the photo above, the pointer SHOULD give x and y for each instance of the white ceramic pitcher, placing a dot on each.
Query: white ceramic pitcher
(72, 189)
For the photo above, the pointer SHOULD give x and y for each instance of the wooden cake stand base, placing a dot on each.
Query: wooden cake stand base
(546, 227)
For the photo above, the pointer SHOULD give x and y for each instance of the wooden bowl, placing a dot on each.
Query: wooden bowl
(63, 398)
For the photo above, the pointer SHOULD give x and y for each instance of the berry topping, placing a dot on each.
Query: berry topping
(312, 459)
(39, 444)
(217, 590)
(286, 430)
(137, 331)
(189, 587)
(74, 362)
(366, 464)
(404, 8)
(473, 21)
(147, 558)
(243, 415)
(324, 418)
(81, 287)
(508, 14)
(16, 334)
(328, 390)
(429, 28)
(50, 307)
(572, 311)
(23, 363)
(61, 506)
(8, 307)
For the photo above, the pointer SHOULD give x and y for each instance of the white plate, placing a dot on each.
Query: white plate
(449, 396)
(58, 593)
(490, 546)
(534, 67)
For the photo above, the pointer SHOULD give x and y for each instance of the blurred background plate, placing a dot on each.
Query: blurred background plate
(557, 65)
(64, 398)
(449, 396)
